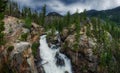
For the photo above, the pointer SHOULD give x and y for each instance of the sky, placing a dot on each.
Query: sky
(62, 6)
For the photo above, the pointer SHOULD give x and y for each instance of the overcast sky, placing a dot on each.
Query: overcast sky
(62, 6)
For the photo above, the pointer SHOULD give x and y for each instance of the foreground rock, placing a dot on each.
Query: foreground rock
(22, 58)
(17, 55)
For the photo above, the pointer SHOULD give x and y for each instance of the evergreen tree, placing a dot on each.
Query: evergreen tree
(35, 17)
(67, 19)
(77, 23)
(2, 9)
(76, 18)
(28, 23)
(2, 5)
(43, 14)
(84, 15)
(13, 9)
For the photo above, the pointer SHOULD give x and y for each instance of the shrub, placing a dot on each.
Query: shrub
(34, 48)
(10, 48)
(28, 23)
(2, 41)
(24, 37)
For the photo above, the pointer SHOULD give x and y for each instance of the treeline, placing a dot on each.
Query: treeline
(58, 23)
(13, 9)
(30, 15)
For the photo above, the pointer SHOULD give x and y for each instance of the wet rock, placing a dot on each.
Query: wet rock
(92, 67)
(55, 46)
(66, 72)
(55, 42)
(59, 60)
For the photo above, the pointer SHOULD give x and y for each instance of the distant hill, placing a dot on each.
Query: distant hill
(54, 14)
(111, 14)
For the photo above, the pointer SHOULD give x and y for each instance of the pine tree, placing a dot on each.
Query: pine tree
(28, 23)
(43, 14)
(12, 9)
(67, 19)
(77, 24)
(2, 5)
(76, 17)
(16, 10)
(2, 9)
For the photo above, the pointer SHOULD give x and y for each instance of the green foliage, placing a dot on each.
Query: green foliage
(43, 15)
(76, 46)
(1, 15)
(105, 58)
(5, 68)
(83, 15)
(1, 26)
(88, 32)
(106, 44)
(67, 19)
(28, 23)
(58, 25)
(24, 37)
(34, 48)
(12, 9)
(76, 18)
(2, 41)
(2, 9)
(2, 5)
(10, 48)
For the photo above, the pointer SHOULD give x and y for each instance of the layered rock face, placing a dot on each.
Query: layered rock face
(80, 51)
(16, 56)
(22, 59)
(83, 58)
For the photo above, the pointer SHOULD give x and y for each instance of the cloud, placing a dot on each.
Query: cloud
(62, 6)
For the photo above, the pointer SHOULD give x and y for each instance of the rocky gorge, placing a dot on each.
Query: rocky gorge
(19, 55)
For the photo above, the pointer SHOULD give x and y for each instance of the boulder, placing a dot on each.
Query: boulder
(70, 41)
(22, 58)
(64, 34)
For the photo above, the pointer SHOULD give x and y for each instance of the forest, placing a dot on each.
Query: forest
(107, 49)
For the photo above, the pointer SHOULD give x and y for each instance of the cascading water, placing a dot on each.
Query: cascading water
(52, 60)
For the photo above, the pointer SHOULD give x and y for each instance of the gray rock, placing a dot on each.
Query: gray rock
(25, 30)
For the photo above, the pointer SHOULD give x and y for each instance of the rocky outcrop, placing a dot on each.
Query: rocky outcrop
(17, 55)
(22, 59)
(70, 41)
(80, 49)
(83, 56)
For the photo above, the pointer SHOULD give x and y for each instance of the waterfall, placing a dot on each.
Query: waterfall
(52, 60)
